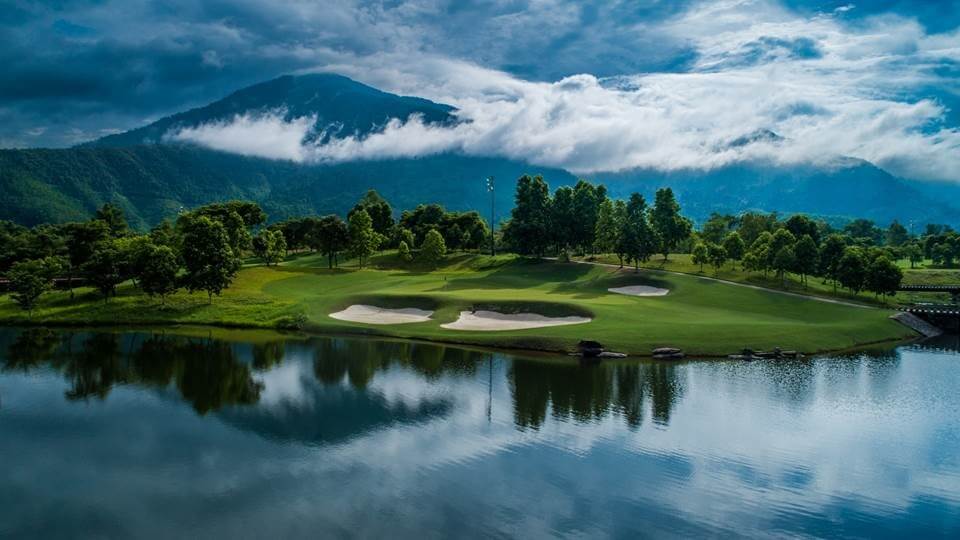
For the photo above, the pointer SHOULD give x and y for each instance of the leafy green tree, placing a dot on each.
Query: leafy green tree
(586, 206)
(760, 252)
(104, 269)
(379, 210)
(896, 234)
(799, 225)
(717, 255)
(270, 246)
(852, 269)
(943, 254)
(807, 257)
(405, 235)
(331, 237)
(607, 230)
(403, 251)
(784, 261)
(717, 227)
(528, 230)
(865, 231)
(563, 219)
(164, 235)
(638, 239)
(434, 249)
(82, 239)
(700, 254)
(831, 252)
(209, 261)
(158, 277)
(915, 254)
(781, 238)
(113, 216)
(670, 226)
(30, 279)
(364, 241)
(753, 224)
(883, 277)
(751, 262)
(734, 245)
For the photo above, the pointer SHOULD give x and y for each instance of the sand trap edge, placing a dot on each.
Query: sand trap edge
(493, 321)
(640, 290)
(366, 314)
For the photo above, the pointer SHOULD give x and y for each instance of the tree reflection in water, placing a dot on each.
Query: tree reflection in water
(590, 393)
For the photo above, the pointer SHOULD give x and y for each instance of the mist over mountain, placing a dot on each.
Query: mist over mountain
(175, 162)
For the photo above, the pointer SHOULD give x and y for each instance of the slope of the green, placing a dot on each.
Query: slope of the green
(703, 317)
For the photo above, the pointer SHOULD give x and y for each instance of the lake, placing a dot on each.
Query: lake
(197, 433)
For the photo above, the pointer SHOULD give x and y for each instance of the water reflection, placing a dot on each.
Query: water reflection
(171, 435)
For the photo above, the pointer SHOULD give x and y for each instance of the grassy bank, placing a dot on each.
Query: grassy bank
(703, 317)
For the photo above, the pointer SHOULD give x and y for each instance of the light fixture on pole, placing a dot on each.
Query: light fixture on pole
(491, 189)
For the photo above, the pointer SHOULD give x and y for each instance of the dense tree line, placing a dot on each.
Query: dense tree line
(584, 219)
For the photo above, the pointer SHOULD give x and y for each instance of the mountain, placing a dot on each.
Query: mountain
(152, 178)
(341, 106)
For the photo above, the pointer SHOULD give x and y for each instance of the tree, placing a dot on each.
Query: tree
(760, 252)
(717, 227)
(700, 254)
(363, 239)
(433, 249)
(563, 219)
(852, 269)
(270, 246)
(896, 235)
(30, 279)
(528, 230)
(751, 262)
(784, 261)
(807, 257)
(586, 206)
(831, 252)
(638, 239)
(210, 263)
(753, 224)
(158, 277)
(113, 216)
(734, 245)
(379, 210)
(103, 269)
(883, 277)
(665, 218)
(607, 229)
(331, 237)
(864, 230)
(403, 251)
(717, 255)
(799, 225)
(780, 239)
(82, 239)
(915, 254)
(404, 235)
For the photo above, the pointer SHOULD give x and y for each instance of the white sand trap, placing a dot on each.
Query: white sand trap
(486, 321)
(640, 290)
(377, 315)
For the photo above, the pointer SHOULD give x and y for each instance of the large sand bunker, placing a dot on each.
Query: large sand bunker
(485, 321)
(377, 315)
(640, 290)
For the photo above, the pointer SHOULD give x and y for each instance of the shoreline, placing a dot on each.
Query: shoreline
(365, 333)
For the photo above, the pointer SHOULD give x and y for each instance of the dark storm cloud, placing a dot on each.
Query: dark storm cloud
(75, 69)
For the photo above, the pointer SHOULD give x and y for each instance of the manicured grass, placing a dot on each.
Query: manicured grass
(703, 317)
(814, 286)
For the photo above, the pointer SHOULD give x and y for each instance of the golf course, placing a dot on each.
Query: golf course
(504, 301)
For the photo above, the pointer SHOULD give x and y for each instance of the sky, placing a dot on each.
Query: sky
(585, 85)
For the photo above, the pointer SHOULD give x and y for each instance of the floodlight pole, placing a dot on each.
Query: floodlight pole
(493, 199)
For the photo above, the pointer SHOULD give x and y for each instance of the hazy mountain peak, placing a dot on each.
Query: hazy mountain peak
(338, 106)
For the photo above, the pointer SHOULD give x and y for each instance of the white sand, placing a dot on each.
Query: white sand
(377, 315)
(640, 290)
(485, 321)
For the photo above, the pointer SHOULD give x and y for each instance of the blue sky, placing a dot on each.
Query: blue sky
(632, 83)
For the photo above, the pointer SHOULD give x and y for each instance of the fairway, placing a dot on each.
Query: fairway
(701, 316)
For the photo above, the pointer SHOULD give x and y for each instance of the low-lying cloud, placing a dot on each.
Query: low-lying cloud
(824, 88)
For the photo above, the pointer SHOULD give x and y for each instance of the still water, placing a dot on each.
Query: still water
(143, 434)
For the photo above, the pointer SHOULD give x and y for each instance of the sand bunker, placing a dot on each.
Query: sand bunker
(377, 315)
(484, 321)
(640, 290)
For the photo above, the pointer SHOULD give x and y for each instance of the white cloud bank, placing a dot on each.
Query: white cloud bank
(825, 88)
